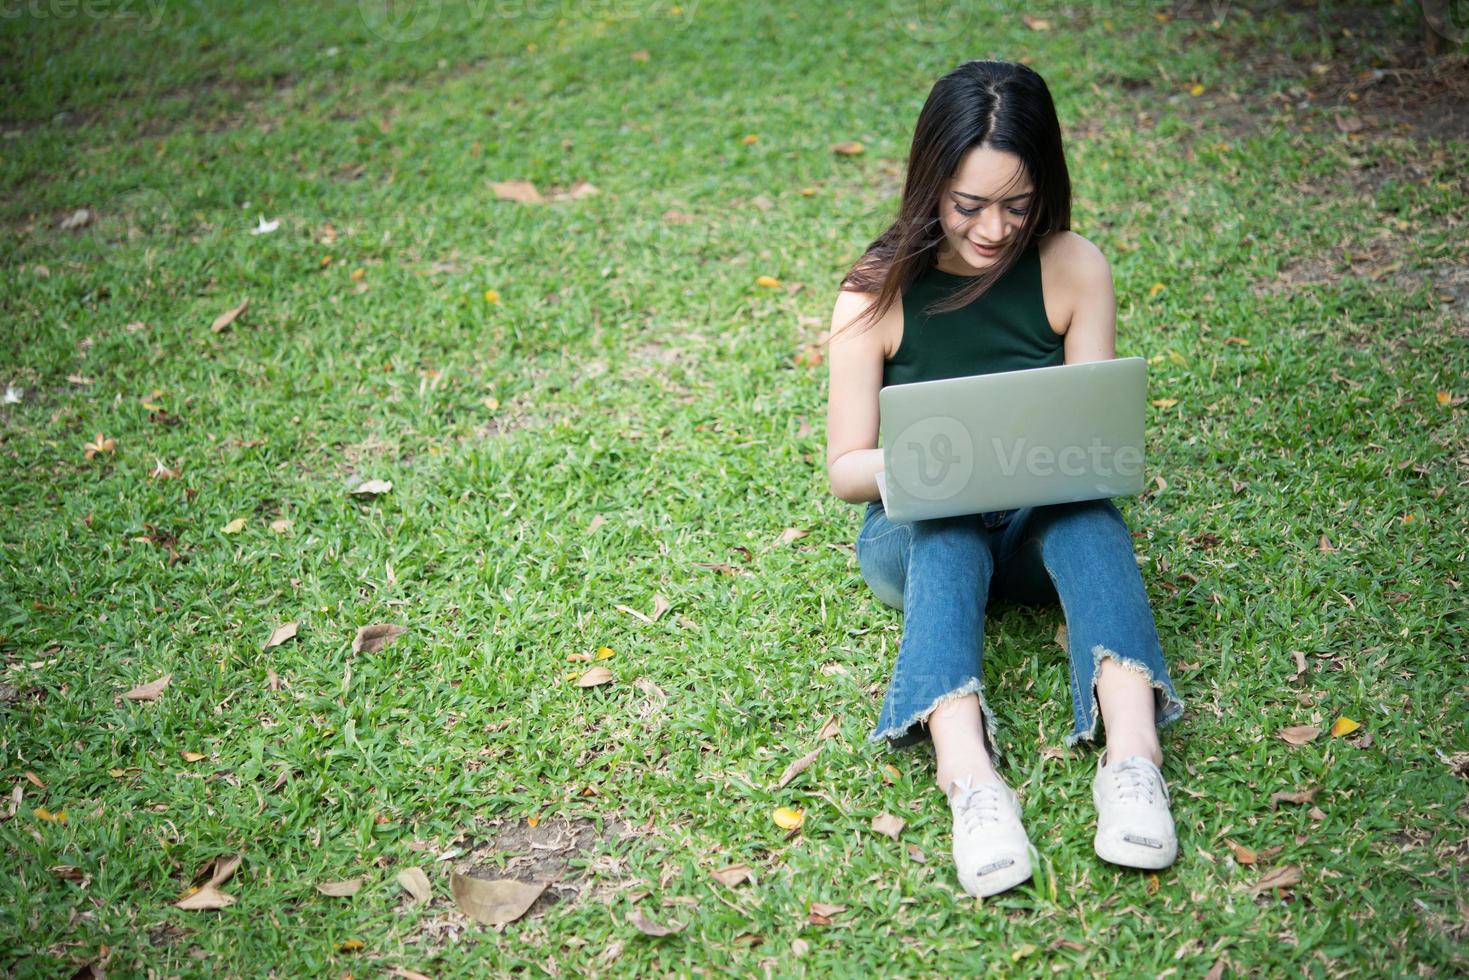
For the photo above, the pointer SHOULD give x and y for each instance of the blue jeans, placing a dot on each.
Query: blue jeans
(943, 574)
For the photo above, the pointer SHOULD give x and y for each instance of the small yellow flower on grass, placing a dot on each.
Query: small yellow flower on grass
(1196, 91)
(749, 138)
(769, 282)
(492, 296)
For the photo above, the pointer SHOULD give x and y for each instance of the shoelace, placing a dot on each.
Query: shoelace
(978, 805)
(1134, 782)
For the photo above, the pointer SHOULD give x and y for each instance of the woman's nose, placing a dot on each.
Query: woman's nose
(992, 223)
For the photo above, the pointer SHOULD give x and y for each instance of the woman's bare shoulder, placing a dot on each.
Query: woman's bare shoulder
(1072, 258)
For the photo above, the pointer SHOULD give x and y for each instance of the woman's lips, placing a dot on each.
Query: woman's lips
(988, 251)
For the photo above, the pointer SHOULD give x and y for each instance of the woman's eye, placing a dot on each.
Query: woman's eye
(1020, 212)
(967, 212)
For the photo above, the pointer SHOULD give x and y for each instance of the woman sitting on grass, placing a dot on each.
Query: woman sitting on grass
(980, 274)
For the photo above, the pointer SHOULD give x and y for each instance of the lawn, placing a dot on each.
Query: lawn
(629, 601)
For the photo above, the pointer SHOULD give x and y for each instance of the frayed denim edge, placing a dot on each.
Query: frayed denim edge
(1172, 704)
(972, 686)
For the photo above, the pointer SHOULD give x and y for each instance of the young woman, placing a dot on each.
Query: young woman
(980, 273)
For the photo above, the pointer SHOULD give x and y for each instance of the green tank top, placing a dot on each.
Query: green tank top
(1004, 330)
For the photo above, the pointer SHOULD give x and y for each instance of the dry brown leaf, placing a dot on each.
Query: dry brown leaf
(733, 875)
(594, 676)
(148, 692)
(792, 533)
(272, 679)
(648, 927)
(371, 639)
(34, 780)
(1301, 796)
(281, 634)
(223, 868)
(1281, 877)
(189, 756)
(206, 898)
(372, 488)
(1035, 23)
(1062, 638)
(797, 767)
(1299, 734)
(280, 525)
(406, 974)
(1316, 813)
(848, 148)
(1216, 972)
(340, 889)
(830, 730)
(1242, 854)
(886, 823)
(1300, 659)
(1324, 545)
(822, 908)
(517, 190)
(416, 883)
(632, 612)
(102, 444)
(660, 605)
(493, 901)
(228, 317)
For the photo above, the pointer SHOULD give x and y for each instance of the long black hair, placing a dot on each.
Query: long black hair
(998, 104)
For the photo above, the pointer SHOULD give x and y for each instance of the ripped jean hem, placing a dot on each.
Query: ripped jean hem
(975, 686)
(1167, 706)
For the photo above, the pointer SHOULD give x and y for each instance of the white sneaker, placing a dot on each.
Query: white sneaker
(991, 850)
(1134, 826)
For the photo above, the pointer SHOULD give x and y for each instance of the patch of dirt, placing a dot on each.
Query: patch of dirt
(543, 853)
(1377, 77)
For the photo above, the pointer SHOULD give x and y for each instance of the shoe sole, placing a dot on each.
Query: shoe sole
(1118, 850)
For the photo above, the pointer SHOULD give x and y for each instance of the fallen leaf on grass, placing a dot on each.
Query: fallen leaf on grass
(403, 973)
(848, 148)
(233, 527)
(192, 756)
(265, 227)
(148, 692)
(733, 875)
(595, 676)
(886, 823)
(648, 927)
(416, 883)
(769, 282)
(829, 730)
(1062, 638)
(102, 444)
(34, 780)
(281, 634)
(1281, 877)
(493, 901)
(1035, 23)
(41, 813)
(228, 317)
(516, 190)
(1300, 796)
(1152, 886)
(797, 767)
(372, 488)
(350, 946)
(1343, 726)
(205, 899)
(792, 533)
(371, 639)
(788, 817)
(1299, 734)
(340, 889)
(660, 605)
(1242, 854)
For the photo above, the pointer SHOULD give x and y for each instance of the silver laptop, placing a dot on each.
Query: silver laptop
(1046, 435)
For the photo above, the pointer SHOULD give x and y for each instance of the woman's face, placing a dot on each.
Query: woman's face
(982, 209)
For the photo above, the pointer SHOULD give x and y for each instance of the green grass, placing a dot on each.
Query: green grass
(642, 375)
